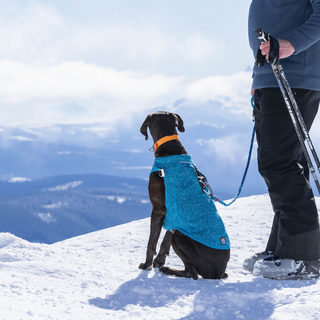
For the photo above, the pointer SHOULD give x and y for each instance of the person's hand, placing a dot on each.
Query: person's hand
(286, 49)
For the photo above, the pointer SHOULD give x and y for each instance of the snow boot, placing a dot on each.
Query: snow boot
(249, 263)
(286, 269)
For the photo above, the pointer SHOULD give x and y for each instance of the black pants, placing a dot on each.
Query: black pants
(282, 164)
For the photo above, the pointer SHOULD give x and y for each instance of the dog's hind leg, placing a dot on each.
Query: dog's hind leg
(216, 274)
(160, 260)
(188, 272)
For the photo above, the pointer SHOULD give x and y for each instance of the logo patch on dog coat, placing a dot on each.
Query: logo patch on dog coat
(223, 241)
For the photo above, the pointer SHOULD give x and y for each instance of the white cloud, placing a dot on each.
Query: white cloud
(228, 149)
(41, 94)
(62, 68)
(232, 91)
(133, 150)
(197, 48)
(20, 138)
(28, 31)
(39, 33)
(77, 80)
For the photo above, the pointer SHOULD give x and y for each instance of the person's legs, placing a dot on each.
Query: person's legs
(295, 229)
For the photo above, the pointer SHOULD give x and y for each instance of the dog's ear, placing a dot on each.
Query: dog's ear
(179, 123)
(144, 127)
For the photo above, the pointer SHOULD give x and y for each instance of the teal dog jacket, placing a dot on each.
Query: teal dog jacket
(189, 209)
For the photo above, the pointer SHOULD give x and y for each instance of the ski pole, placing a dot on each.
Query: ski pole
(294, 111)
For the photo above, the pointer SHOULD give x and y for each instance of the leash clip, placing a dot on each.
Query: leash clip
(160, 173)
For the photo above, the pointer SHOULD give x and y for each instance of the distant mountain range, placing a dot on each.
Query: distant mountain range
(217, 137)
(98, 172)
(53, 209)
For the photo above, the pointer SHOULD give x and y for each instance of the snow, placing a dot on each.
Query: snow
(96, 276)
(66, 186)
(18, 179)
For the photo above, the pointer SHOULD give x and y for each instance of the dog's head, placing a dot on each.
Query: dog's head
(161, 124)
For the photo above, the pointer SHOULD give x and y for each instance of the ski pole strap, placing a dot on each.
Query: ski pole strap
(274, 51)
(260, 59)
(274, 48)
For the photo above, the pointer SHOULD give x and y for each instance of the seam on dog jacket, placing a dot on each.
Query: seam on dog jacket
(189, 209)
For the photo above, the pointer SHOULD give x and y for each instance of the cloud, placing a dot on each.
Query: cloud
(76, 92)
(98, 90)
(133, 150)
(29, 30)
(20, 82)
(230, 90)
(40, 33)
(20, 138)
(62, 68)
(228, 149)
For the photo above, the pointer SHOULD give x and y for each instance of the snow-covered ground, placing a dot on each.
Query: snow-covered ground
(96, 276)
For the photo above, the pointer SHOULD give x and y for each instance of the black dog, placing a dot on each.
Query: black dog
(198, 258)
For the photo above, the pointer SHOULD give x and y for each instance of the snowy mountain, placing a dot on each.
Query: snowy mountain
(56, 208)
(96, 276)
(217, 136)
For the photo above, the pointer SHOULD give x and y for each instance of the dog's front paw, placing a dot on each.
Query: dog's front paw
(159, 262)
(145, 266)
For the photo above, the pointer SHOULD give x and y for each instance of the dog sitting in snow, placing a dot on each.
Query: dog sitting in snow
(180, 205)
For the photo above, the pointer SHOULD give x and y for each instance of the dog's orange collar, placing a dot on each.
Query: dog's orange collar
(164, 140)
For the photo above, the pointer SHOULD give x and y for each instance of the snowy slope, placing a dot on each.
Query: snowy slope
(96, 276)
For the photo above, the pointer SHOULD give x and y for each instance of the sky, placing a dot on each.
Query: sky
(106, 61)
(79, 61)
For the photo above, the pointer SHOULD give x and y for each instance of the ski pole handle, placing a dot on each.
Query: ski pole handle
(262, 36)
(274, 48)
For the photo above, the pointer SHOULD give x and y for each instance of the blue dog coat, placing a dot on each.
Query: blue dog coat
(189, 209)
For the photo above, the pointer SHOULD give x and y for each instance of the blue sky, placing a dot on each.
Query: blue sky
(75, 61)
